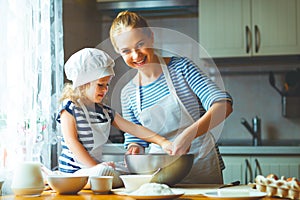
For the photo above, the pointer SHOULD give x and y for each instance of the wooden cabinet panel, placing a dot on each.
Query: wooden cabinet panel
(222, 26)
(276, 27)
(235, 169)
(246, 168)
(288, 166)
(239, 28)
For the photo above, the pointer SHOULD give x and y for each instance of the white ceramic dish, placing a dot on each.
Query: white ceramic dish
(167, 196)
(134, 181)
(101, 184)
(67, 184)
(28, 191)
(123, 191)
(27, 175)
(253, 194)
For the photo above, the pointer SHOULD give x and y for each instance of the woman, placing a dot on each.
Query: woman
(170, 96)
(86, 121)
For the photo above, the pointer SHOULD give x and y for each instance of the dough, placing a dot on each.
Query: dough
(152, 189)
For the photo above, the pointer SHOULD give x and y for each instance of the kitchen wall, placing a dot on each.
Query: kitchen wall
(245, 79)
(81, 24)
(253, 96)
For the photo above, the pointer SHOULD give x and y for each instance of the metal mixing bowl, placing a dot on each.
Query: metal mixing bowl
(173, 167)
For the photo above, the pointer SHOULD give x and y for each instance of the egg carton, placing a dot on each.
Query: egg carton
(274, 187)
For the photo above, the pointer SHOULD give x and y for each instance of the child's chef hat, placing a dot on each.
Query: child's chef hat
(87, 65)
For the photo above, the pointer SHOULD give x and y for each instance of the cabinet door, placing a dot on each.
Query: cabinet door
(222, 27)
(288, 166)
(236, 168)
(239, 28)
(275, 27)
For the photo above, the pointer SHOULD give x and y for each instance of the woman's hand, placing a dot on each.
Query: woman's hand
(216, 114)
(183, 141)
(167, 146)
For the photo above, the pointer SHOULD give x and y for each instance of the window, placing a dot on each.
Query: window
(31, 61)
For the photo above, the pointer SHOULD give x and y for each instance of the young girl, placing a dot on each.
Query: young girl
(86, 121)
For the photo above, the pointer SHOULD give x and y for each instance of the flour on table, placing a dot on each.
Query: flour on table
(152, 189)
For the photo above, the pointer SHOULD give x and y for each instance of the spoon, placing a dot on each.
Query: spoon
(156, 172)
(235, 183)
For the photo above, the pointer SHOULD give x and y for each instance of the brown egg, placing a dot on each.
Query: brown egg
(283, 178)
(297, 184)
(294, 183)
(272, 176)
(289, 179)
(260, 179)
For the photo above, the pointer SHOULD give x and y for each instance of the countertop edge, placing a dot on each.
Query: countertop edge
(260, 150)
(118, 148)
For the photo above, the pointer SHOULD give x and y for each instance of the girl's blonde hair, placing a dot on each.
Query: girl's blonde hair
(125, 21)
(73, 94)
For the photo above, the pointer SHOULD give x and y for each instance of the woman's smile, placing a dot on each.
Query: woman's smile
(141, 61)
(135, 47)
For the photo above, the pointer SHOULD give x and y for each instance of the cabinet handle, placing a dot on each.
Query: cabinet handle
(257, 38)
(248, 168)
(258, 170)
(248, 39)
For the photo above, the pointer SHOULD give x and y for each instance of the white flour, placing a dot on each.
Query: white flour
(152, 189)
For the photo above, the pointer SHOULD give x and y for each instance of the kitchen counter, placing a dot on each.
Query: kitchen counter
(260, 150)
(118, 149)
(192, 192)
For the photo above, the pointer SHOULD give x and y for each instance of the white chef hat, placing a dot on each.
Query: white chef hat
(88, 64)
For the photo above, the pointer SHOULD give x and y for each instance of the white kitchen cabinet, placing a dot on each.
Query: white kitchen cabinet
(246, 167)
(242, 28)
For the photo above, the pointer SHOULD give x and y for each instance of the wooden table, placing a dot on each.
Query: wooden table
(88, 195)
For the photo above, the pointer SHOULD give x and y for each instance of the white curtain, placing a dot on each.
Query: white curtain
(31, 78)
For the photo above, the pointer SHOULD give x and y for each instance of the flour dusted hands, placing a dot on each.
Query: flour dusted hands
(109, 163)
(167, 146)
(182, 143)
(134, 148)
(141, 132)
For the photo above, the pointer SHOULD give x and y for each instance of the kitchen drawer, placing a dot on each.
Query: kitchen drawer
(246, 168)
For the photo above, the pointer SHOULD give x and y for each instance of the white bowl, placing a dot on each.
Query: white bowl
(67, 184)
(101, 184)
(134, 181)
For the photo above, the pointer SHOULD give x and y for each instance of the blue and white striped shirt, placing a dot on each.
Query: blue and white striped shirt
(196, 91)
(67, 161)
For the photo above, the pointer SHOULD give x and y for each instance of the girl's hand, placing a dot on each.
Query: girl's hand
(109, 163)
(134, 148)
